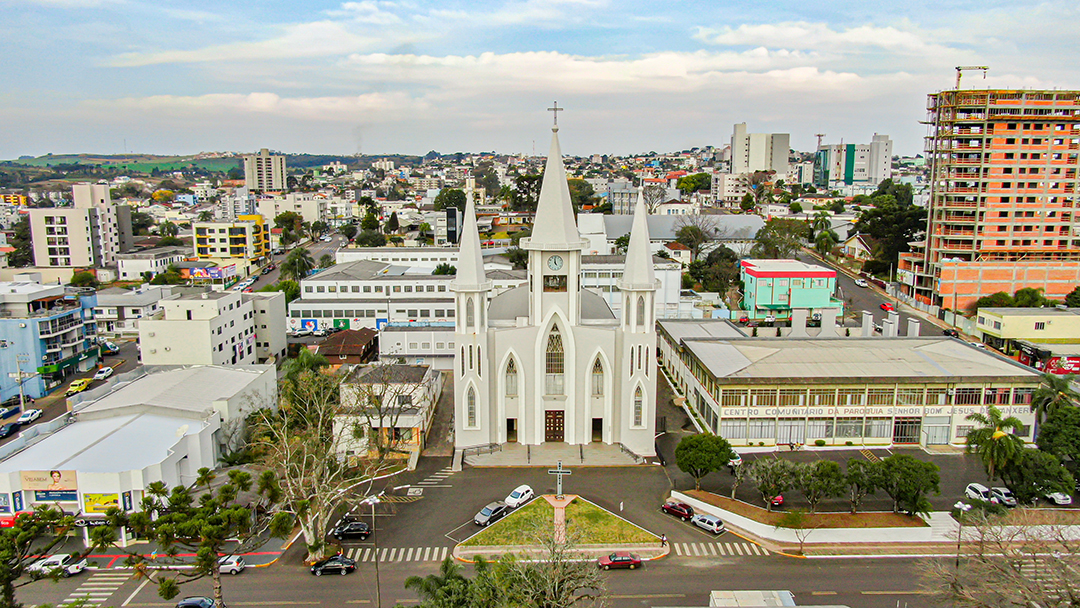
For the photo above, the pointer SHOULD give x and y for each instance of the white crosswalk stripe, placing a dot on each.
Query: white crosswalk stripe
(98, 587)
(439, 477)
(399, 554)
(718, 549)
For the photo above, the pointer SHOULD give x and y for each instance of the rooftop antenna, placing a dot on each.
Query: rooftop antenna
(960, 71)
(819, 136)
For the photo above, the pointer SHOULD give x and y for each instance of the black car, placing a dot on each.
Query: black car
(15, 401)
(9, 429)
(339, 564)
(352, 529)
(195, 602)
(951, 332)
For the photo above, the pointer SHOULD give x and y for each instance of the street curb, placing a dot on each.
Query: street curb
(284, 548)
(762, 545)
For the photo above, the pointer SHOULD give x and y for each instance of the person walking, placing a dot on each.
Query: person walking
(663, 540)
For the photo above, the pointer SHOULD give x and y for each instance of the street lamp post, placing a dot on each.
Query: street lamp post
(963, 507)
(374, 500)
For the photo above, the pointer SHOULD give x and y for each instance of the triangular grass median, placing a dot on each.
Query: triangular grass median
(587, 524)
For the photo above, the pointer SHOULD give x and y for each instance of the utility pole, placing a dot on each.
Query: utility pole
(960, 72)
(819, 137)
(21, 358)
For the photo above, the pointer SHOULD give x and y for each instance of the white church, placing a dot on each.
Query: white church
(548, 362)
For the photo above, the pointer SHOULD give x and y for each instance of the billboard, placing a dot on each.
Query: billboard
(213, 272)
(100, 503)
(905, 276)
(5, 502)
(51, 486)
(309, 324)
(1063, 365)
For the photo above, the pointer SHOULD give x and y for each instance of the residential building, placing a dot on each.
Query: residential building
(841, 165)
(348, 347)
(752, 152)
(139, 428)
(602, 274)
(843, 391)
(311, 207)
(856, 248)
(773, 288)
(1033, 335)
(244, 242)
(89, 234)
(264, 172)
(548, 361)
(1003, 191)
(9, 198)
(397, 401)
(117, 311)
(383, 165)
(735, 232)
(679, 252)
(729, 188)
(43, 337)
(214, 328)
(239, 202)
(622, 194)
(135, 266)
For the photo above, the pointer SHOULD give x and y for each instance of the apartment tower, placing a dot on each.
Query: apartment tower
(264, 171)
(759, 151)
(1003, 193)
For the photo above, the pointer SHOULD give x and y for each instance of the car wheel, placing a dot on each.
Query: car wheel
(686, 519)
(64, 574)
(632, 566)
(234, 571)
(318, 573)
(344, 572)
(607, 567)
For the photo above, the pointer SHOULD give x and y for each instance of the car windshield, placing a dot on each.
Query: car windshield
(515, 494)
(485, 511)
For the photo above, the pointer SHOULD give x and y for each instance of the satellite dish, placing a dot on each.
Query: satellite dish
(180, 432)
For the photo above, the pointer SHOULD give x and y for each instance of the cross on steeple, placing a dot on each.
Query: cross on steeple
(555, 111)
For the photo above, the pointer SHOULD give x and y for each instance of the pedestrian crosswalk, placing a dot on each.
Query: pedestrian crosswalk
(398, 554)
(436, 479)
(98, 587)
(718, 549)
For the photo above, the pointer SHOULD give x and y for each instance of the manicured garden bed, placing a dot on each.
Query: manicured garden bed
(816, 520)
(587, 524)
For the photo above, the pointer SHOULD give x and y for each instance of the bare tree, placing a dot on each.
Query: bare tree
(695, 231)
(653, 195)
(376, 399)
(1022, 561)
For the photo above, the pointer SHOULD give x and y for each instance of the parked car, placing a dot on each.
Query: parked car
(195, 602)
(521, 495)
(265, 270)
(619, 559)
(63, 564)
(301, 333)
(78, 386)
(778, 500)
(9, 429)
(1058, 498)
(1003, 496)
(352, 529)
(14, 402)
(711, 523)
(951, 333)
(887, 306)
(231, 564)
(861, 283)
(338, 564)
(490, 514)
(977, 491)
(681, 510)
(735, 460)
(109, 348)
(29, 416)
(103, 373)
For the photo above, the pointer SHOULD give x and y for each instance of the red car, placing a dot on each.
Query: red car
(619, 559)
(887, 306)
(681, 510)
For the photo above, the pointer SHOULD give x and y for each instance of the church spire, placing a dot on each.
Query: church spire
(470, 266)
(638, 273)
(554, 227)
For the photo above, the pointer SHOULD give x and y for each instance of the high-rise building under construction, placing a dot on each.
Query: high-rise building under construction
(1003, 205)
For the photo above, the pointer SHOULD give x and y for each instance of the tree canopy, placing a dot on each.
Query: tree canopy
(779, 238)
(450, 197)
(891, 225)
(694, 183)
(698, 455)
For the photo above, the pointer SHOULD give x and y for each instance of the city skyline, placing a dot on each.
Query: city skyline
(109, 76)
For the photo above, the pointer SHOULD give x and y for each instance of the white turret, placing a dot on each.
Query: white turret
(638, 282)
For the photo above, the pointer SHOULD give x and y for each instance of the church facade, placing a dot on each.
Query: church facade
(549, 362)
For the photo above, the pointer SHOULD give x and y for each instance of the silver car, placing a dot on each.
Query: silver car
(231, 564)
(490, 514)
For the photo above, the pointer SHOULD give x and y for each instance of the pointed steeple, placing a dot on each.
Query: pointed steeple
(554, 227)
(470, 267)
(638, 273)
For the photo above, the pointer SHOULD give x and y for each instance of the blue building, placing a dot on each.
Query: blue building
(772, 288)
(43, 335)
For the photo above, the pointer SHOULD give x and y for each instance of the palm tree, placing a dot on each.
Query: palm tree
(298, 264)
(446, 588)
(821, 222)
(305, 361)
(992, 442)
(1055, 392)
(205, 216)
(825, 241)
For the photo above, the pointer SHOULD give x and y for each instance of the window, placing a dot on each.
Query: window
(639, 406)
(1039, 326)
(470, 406)
(470, 315)
(554, 283)
(553, 364)
(641, 311)
(462, 361)
(597, 378)
(470, 358)
(511, 378)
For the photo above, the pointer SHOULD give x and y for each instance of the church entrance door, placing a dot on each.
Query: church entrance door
(553, 426)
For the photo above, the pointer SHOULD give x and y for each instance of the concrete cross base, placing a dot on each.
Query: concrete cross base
(559, 504)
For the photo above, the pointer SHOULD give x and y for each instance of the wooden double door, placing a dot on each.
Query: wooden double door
(553, 426)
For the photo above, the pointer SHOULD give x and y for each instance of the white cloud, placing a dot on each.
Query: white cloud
(819, 36)
(391, 106)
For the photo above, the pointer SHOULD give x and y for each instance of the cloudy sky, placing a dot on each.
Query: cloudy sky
(182, 76)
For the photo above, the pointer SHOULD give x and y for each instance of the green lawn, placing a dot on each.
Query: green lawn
(587, 524)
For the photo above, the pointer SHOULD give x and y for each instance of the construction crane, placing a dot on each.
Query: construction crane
(960, 71)
(819, 136)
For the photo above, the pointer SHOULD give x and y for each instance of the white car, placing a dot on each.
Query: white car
(103, 373)
(29, 416)
(231, 564)
(1058, 498)
(861, 283)
(521, 495)
(65, 565)
(735, 460)
(1003, 495)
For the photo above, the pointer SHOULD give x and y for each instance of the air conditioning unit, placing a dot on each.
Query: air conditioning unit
(153, 351)
(168, 348)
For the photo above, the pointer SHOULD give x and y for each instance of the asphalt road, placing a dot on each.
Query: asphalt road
(857, 299)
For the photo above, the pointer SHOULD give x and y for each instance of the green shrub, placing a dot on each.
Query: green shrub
(849, 443)
(819, 443)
